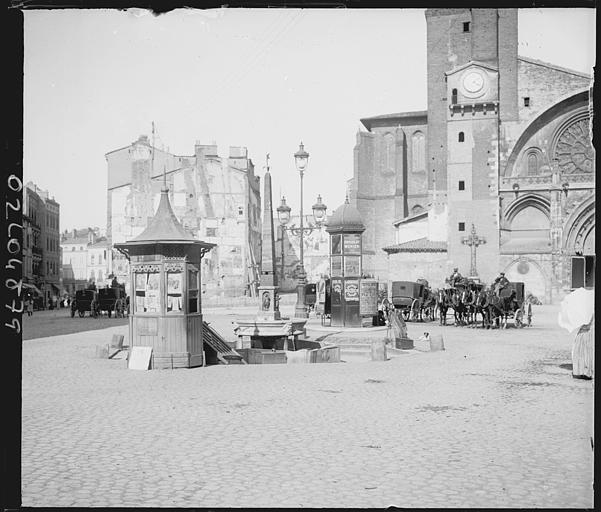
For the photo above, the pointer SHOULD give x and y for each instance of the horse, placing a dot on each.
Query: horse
(468, 299)
(443, 302)
(500, 307)
(481, 306)
(459, 308)
(428, 307)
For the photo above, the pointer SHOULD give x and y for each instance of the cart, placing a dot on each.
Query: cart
(85, 300)
(516, 313)
(408, 297)
(112, 300)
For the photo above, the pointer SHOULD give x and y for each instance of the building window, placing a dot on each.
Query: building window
(454, 96)
(418, 152)
(462, 226)
(389, 153)
(72, 248)
(526, 101)
(104, 252)
(211, 232)
(466, 26)
(461, 185)
(532, 164)
(92, 259)
(240, 211)
(461, 137)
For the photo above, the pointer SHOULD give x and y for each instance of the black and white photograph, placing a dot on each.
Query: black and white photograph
(302, 257)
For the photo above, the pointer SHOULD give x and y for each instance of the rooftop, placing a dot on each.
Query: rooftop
(419, 245)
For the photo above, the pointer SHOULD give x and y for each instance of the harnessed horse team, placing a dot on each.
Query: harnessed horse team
(476, 305)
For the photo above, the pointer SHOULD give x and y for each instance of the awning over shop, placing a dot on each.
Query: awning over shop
(32, 287)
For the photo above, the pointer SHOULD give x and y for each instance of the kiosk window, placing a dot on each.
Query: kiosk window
(147, 292)
(174, 292)
(336, 239)
(192, 291)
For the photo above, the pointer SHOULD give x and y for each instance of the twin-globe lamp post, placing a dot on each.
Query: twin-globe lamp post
(301, 159)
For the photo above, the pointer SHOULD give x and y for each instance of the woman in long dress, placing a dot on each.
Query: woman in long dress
(583, 352)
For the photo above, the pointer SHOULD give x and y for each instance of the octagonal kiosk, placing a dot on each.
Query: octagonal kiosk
(166, 311)
(345, 228)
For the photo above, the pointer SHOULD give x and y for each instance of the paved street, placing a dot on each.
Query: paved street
(54, 322)
(496, 420)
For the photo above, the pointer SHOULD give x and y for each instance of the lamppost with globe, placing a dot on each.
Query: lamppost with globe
(301, 158)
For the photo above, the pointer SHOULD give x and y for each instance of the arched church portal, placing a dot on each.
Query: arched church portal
(530, 273)
(579, 245)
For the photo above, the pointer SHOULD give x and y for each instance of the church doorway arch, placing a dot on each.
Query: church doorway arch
(579, 245)
(529, 272)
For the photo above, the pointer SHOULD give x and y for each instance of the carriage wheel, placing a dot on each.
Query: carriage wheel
(519, 318)
(415, 311)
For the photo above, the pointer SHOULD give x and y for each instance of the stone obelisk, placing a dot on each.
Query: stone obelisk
(268, 296)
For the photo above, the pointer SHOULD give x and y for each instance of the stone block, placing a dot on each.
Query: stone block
(102, 351)
(117, 341)
(378, 350)
(297, 357)
(325, 355)
(436, 343)
(403, 343)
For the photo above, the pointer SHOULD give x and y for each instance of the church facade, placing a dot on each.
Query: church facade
(498, 174)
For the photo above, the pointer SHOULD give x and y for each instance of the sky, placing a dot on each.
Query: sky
(267, 79)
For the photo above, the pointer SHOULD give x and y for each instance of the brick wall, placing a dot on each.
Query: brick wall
(410, 266)
(544, 85)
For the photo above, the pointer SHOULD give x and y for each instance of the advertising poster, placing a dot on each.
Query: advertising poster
(368, 304)
(152, 301)
(352, 266)
(336, 292)
(174, 281)
(352, 244)
(152, 282)
(351, 291)
(336, 266)
(321, 296)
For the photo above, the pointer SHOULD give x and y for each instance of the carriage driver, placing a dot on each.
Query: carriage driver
(501, 282)
(455, 276)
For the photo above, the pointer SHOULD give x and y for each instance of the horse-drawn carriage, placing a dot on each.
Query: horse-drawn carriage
(513, 304)
(85, 300)
(113, 300)
(412, 299)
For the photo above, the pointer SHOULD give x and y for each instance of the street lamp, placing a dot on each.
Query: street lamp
(301, 159)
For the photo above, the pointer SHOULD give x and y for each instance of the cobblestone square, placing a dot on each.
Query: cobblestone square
(495, 420)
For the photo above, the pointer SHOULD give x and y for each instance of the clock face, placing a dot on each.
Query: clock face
(473, 82)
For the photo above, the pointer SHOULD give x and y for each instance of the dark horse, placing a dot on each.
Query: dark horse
(499, 308)
(458, 303)
(428, 306)
(481, 307)
(443, 302)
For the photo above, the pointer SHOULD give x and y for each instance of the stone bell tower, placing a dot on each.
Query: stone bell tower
(472, 90)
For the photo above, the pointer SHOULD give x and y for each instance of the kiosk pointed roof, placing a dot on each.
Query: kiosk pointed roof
(164, 227)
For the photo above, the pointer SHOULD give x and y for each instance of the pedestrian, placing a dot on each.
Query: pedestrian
(29, 306)
(577, 314)
(583, 352)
